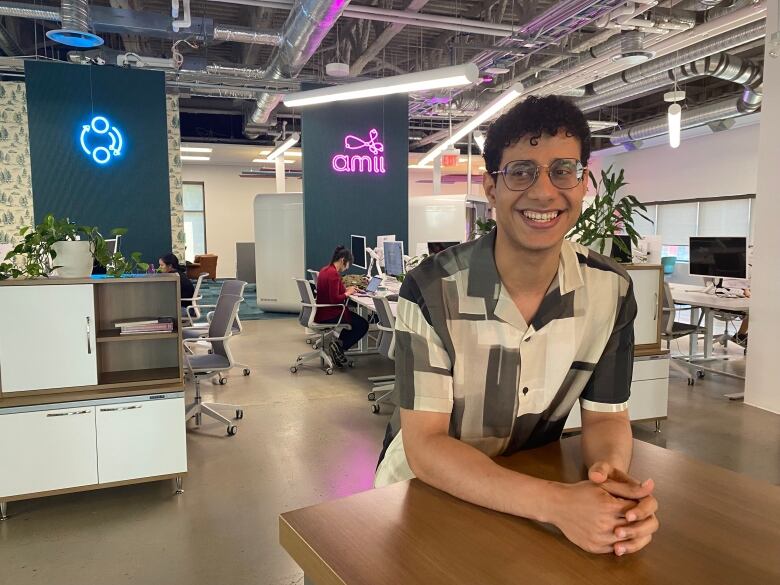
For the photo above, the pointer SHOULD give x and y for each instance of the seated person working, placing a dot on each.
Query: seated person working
(170, 263)
(331, 291)
(498, 338)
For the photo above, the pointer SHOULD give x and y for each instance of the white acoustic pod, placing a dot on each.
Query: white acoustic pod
(279, 250)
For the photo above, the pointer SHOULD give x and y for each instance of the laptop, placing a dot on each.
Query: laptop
(372, 287)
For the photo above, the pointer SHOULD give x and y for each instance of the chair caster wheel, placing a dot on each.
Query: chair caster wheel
(699, 374)
(308, 342)
(375, 408)
(247, 371)
(232, 430)
(351, 364)
(329, 371)
(371, 396)
(239, 414)
(691, 382)
(222, 381)
(293, 370)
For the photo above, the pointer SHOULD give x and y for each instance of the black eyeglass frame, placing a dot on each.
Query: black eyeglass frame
(580, 172)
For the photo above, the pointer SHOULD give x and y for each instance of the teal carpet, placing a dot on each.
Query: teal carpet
(248, 310)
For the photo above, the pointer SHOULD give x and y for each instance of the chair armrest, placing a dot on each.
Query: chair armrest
(199, 297)
(315, 306)
(209, 339)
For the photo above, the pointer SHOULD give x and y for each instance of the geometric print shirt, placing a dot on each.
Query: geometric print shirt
(463, 348)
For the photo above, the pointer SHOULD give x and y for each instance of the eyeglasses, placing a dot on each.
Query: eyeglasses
(564, 173)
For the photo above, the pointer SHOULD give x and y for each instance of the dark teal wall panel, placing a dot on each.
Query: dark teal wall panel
(338, 204)
(132, 189)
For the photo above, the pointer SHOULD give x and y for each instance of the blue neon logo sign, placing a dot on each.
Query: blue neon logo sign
(108, 138)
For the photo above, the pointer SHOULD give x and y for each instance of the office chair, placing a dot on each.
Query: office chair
(312, 336)
(324, 331)
(386, 325)
(192, 311)
(218, 360)
(197, 331)
(674, 330)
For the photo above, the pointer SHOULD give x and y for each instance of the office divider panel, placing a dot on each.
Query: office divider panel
(99, 150)
(355, 173)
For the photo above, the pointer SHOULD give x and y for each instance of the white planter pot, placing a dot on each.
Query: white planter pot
(73, 258)
(596, 246)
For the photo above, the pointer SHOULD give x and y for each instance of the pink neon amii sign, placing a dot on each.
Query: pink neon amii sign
(371, 161)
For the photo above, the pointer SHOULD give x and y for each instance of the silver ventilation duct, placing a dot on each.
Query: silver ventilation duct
(304, 30)
(724, 42)
(23, 11)
(747, 103)
(721, 66)
(75, 26)
(246, 35)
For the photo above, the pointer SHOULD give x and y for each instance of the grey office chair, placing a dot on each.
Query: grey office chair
(324, 331)
(675, 330)
(192, 312)
(199, 330)
(311, 336)
(386, 325)
(219, 360)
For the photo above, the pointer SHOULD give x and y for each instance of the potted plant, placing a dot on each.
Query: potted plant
(609, 214)
(483, 227)
(59, 247)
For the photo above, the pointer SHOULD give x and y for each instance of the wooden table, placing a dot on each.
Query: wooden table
(717, 528)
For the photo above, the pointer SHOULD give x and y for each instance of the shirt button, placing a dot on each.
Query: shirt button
(528, 339)
(525, 390)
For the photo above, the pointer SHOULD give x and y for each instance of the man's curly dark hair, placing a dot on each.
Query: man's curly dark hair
(535, 116)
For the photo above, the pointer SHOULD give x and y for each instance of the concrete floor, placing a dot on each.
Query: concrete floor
(304, 439)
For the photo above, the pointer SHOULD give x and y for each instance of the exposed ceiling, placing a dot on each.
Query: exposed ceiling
(538, 42)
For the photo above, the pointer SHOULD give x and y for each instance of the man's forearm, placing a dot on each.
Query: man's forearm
(466, 473)
(607, 440)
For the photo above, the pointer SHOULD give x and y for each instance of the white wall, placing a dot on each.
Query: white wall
(722, 163)
(761, 388)
(230, 208)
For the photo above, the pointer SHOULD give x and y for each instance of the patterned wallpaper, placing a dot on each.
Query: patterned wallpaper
(16, 205)
(16, 201)
(174, 174)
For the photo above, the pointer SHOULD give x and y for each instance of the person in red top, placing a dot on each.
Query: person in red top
(331, 291)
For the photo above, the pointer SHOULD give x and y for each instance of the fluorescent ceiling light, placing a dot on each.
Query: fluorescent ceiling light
(454, 76)
(285, 146)
(297, 153)
(195, 158)
(195, 149)
(416, 166)
(267, 161)
(601, 125)
(674, 118)
(483, 115)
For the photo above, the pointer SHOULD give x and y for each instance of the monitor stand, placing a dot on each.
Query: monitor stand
(714, 286)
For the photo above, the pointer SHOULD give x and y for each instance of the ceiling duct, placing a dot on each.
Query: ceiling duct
(748, 103)
(249, 36)
(75, 33)
(304, 30)
(29, 11)
(721, 66)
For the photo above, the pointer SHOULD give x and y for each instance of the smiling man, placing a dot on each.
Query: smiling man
(497, 339)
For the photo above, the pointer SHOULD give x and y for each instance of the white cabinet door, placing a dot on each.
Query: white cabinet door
(47, 450)
(47, 337)
(646, 285)
(141, 439)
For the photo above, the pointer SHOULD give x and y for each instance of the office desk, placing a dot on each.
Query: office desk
(367, 303)
(690, 295)
(717, 528)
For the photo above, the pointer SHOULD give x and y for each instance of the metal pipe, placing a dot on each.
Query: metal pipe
(75, 15)
(22, 11)
(239, 34)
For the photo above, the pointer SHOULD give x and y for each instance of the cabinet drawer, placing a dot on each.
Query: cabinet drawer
(47, 450)
(144, 438)
(649, 399)
(650, 369)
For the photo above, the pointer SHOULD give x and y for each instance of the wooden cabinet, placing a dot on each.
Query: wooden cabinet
(649, 392)
(47, 337)
(140, 438)
(48, 449)
(648, 290)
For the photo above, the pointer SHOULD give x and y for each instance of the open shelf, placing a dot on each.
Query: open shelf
(155, 375)
(110, 335)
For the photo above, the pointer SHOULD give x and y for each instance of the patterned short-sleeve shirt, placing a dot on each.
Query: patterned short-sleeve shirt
(463, 348)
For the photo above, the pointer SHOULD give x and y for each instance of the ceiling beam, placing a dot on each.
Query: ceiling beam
(133, 43)
(382, 40)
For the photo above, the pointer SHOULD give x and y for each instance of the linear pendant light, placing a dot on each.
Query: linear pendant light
(483, 115)
(454, 76)
(674, 118)
(285, 146)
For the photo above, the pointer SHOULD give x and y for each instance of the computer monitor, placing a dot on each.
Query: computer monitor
(724, 257)
(380, 241)
(358, 247)
(394, 258)
(436, 247)
(622, 256)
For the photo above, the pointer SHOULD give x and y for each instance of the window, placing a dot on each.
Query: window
(644, 227)
(194, 220)
(724, 218)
